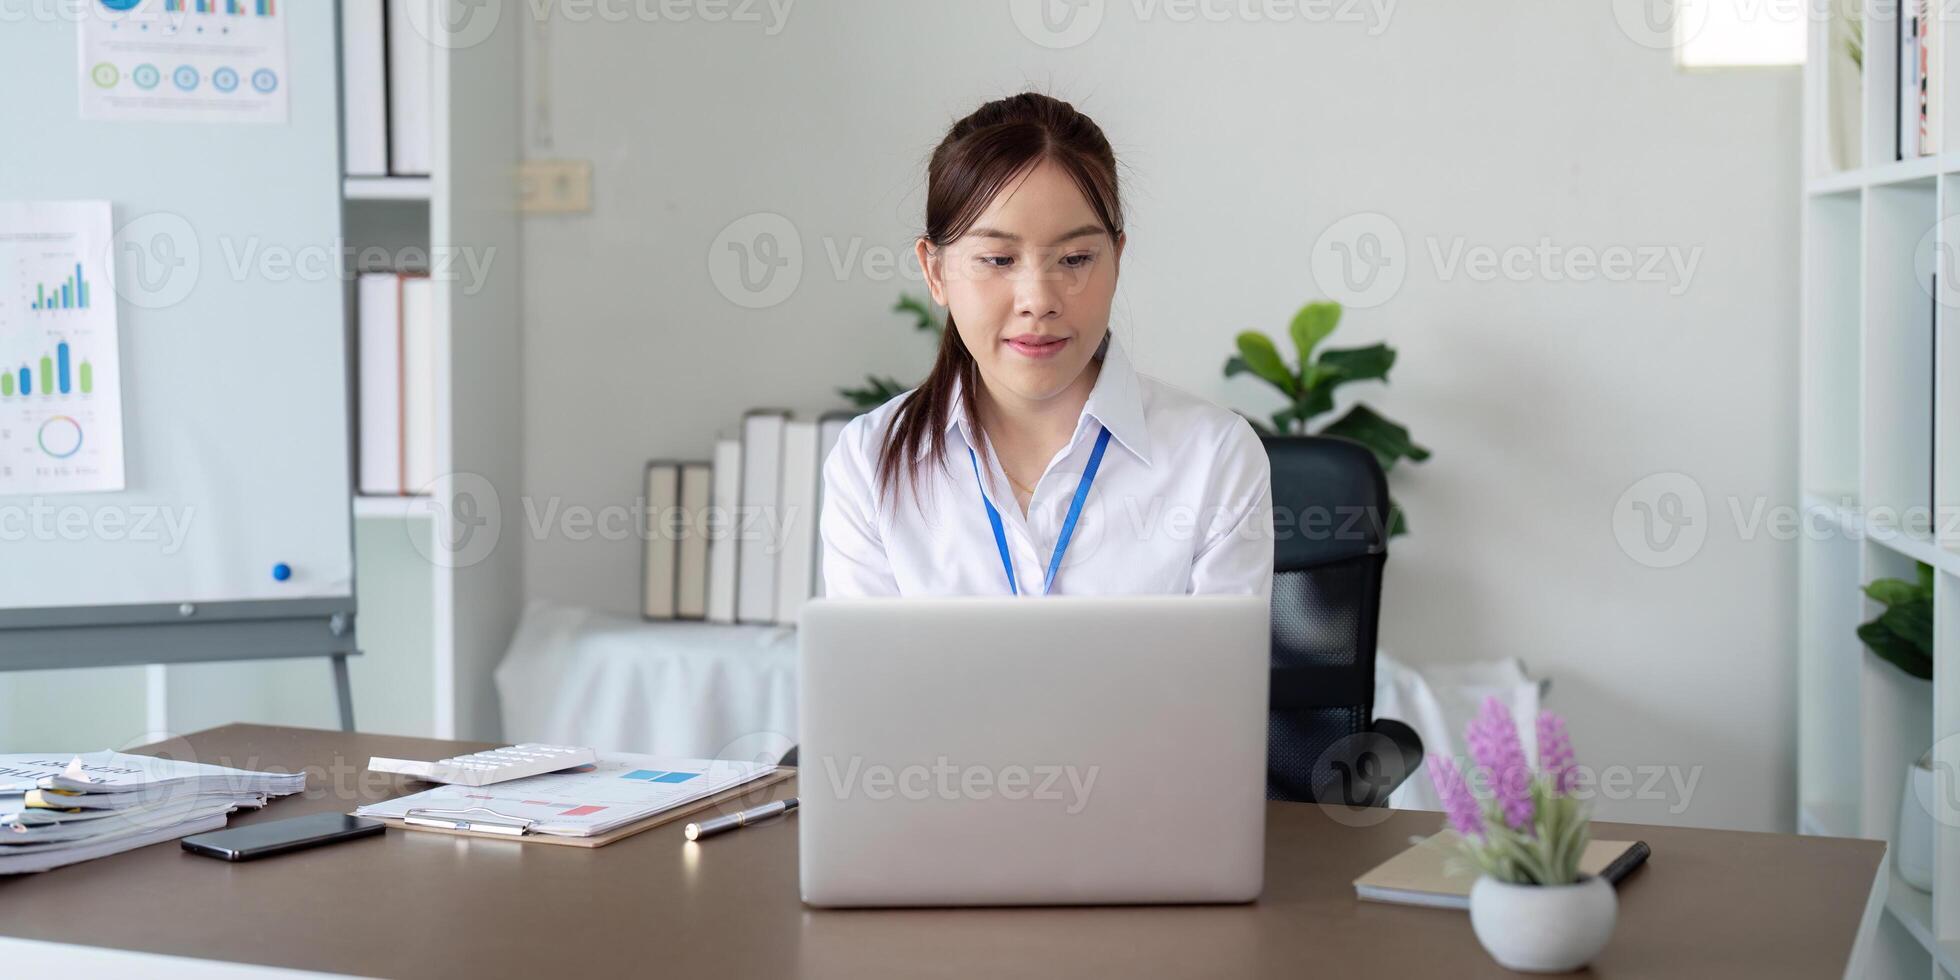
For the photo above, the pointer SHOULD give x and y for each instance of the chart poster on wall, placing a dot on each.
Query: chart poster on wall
(184, 60)
(61, 424)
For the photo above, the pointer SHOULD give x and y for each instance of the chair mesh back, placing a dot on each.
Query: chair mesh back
(1326, 606)
(1322, 618)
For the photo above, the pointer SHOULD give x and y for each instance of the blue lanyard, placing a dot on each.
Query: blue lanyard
(1068, 523)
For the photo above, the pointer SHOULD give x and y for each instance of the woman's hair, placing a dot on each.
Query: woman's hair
(979, 156)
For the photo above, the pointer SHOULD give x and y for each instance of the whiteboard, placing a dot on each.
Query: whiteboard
(235, 396)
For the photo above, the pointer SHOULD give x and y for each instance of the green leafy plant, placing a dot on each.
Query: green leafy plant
(879, 390)
(1309, 389)
(1854, 41)
(1903, 634)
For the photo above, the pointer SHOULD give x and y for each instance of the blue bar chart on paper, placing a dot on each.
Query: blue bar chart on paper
(60, 391)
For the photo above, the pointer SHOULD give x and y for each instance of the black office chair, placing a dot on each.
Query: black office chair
(1330, 505)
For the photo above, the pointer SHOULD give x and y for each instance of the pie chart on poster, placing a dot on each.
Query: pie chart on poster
(122, 5)
(61, 437)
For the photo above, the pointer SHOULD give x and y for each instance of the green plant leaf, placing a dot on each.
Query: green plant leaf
(1397, 523)
(1911, 622)
(1896, 651)
(875, 392)
(921, 311)
(1388, 439)
(1926, 580)
(1892, 590)
(1263, 358)
(1360, 363)
(1283, 419)
(1312, 325)
(1236, 365)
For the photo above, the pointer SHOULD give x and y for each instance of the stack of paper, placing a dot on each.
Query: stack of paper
(621, 788)
(55, 812)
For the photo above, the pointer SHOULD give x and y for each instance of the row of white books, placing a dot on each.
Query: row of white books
(1919, 80)
(735, 540)
(396, 383)
(388, 69)
(57, 810)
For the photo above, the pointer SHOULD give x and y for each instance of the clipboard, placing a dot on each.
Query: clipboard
(518, 830)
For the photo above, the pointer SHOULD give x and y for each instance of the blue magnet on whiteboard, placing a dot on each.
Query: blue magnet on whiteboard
(282, 572)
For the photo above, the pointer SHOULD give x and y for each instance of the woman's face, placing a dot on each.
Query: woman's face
(1029, 284)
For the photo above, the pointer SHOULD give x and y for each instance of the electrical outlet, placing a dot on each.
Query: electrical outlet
(555, 186)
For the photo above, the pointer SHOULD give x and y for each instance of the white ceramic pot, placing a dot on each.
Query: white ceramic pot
(1543, 928)
(1913, 855)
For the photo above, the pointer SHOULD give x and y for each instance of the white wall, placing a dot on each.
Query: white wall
(1498, 123)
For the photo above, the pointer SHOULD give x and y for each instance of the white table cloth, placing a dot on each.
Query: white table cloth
(696, 690)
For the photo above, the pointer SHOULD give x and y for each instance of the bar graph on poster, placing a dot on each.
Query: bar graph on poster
(60, 384)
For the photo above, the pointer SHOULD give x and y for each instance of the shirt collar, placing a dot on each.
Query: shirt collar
(1116, 402)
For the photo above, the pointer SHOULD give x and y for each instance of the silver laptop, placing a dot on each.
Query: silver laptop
(1004, 751)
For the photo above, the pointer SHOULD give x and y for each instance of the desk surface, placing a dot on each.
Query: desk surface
(407, 904)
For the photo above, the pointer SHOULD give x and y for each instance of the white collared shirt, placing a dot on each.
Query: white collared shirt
(1182, 504)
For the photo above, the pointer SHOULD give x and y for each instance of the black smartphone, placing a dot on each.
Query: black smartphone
(266, 839)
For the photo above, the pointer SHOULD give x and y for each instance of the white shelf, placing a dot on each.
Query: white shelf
(392, 508)
(1851, 524)
(388, 188)
(1914, 910)
(1879, 376)
(1895, 172)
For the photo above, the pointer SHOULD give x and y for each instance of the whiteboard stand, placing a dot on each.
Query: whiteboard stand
(184, 633)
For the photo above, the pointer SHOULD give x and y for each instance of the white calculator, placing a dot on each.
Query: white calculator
(492, 766)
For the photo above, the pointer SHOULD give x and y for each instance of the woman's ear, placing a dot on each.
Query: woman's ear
(929, 262)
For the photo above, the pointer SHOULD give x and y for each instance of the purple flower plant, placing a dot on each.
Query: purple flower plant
(1555, 752)
(1457, 801)
(1494, 746)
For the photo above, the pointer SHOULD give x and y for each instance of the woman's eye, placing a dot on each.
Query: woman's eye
(1077, 261)
(995, 261)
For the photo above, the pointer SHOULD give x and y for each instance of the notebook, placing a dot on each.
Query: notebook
(1421, 874)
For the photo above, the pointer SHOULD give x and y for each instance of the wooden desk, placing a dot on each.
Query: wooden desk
(1709, 903)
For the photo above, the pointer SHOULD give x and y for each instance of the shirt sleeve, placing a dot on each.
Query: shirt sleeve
(1237, 555)
(854, 559)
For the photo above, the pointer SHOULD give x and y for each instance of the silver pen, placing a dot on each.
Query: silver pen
(754, 814)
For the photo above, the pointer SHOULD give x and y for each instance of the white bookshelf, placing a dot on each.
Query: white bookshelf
(1870, 390)
(432, 631)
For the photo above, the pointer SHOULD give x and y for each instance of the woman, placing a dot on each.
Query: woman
(1035, 459)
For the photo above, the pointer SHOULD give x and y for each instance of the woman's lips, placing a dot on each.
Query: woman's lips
(1030, 348)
